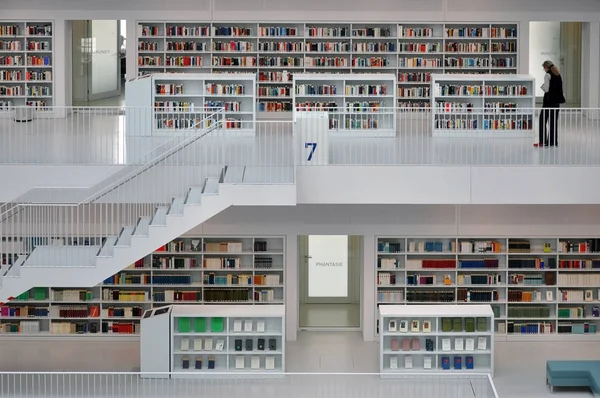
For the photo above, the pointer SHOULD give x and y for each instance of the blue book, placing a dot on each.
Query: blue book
(469, 362)
(446, 363)
(458, 363)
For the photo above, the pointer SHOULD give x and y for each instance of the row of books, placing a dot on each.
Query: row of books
(294, 62)
(480, 296)
(30, 30)
(274, 106)
(466, 62)
(274, 91)
(573, 279)
(528, 311)
(413, 92)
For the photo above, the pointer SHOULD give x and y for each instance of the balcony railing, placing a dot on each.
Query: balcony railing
(248, 385)
(98, 136)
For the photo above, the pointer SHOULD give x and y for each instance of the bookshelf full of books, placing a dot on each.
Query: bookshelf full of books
(358, 105)
(436, 339)
(537, 287)
(275, 51)
(215, 339)
(188, 270)
(26, 65)
(486, 105)
(182, 102)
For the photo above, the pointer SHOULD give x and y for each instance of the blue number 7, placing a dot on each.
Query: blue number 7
(313, 147)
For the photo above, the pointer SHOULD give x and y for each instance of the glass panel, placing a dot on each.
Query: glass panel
(105, 50)
(544, 44)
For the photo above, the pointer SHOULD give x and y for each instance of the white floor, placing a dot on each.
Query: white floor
(98, 137)
(519, 373)
(329, 315)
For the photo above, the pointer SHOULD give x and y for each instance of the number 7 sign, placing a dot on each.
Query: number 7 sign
(312, 146)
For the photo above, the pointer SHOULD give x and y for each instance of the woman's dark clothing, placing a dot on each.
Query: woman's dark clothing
(548, 128)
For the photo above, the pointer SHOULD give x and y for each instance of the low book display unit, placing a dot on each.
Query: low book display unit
(436, 339)
(482, 105)
(217, 340)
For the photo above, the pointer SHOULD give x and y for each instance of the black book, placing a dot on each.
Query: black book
(261, 344)
(273, 344)
(238, 345)
(249, 345)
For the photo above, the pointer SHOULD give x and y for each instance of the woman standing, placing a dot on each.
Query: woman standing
(553, 97)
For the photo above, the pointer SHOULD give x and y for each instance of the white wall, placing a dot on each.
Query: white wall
(445, 184)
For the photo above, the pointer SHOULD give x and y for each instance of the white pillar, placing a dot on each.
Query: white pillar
(291, 287)
(369, 312)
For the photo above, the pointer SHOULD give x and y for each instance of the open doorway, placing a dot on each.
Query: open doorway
(329, 283)
(98, 54)
(561, 43)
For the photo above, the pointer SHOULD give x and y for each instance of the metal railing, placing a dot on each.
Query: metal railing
(90, 216)
(458, 137)
(98, 136)
(215, 385)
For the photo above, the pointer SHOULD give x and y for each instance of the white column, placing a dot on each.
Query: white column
(291, 287)
(523, 46)
(590, 59)
(59, 60)
(369, 312)
(131, 49)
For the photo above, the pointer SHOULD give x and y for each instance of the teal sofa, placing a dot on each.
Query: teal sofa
(574, 374)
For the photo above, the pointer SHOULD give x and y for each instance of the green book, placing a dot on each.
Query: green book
(200, 325)
(39, 293)
(184, 325)
(496, 310)
(446, 325)
(457, 325)
(469, 324)
(23, 296)
(217, 325)
(482, 325)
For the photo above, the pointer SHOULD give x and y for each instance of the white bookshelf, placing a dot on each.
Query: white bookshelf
(275, 51)
(489, 105)
(358, 105)
(436, 339)
(232, 339)
(26, 66)
(538, 288)
(245, 271)
(181, 102)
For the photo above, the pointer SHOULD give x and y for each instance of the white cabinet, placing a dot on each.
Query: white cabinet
(436, 339)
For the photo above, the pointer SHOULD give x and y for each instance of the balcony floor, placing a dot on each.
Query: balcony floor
(100, 139)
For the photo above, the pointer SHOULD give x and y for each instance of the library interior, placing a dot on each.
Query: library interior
(394, 198)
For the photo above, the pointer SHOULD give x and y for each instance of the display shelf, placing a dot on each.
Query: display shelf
(26, 66)
(275, 48)
(357, 104)
(213, 339)
(194, 270)
(182, 102)
(436, 339)
(535, 286)
(485, 105)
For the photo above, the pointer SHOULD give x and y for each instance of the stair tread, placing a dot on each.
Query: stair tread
(176, 207)
(62, 256)
(211, 186)
(160, 217)
(142, 227)
(234, 174)
(125, 237)
(108, 247)
(194, 196)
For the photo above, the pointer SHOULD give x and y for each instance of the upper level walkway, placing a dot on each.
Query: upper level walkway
(97, 136)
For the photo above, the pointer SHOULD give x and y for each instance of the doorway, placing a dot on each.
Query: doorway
(561, 43)
(329, 283)
(97, 54)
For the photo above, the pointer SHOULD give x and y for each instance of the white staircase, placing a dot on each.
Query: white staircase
(81, 266)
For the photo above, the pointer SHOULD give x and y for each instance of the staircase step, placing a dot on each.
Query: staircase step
(234, 174)
(108, 249)
(141, 228)
(160, 217)
(124, 239)
(194, 196)
(176, 208)
(63, 256)
(211, 185)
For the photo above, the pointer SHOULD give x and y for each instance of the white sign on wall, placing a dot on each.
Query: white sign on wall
(327, 266)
